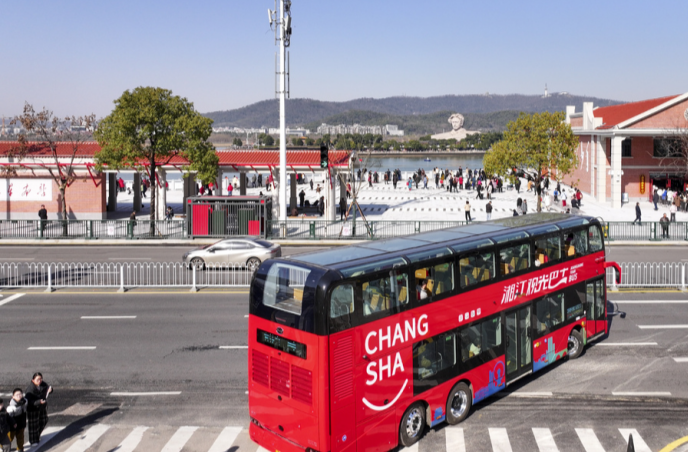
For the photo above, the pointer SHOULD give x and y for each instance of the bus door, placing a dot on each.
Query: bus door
(518, 341)
(595, 307)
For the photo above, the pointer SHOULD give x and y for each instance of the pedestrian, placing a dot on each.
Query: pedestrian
(524, 206)
(563, 198)
(37, 406)
(321, 206)
(638, 213)
(467, 209)
(260, 180)
(230, 190)
(515, 213)
(302, 198)
(655, 199)
(7, 425)
(342, 208)
(488, 210)
(518, 185)
(664, 222)
(673, 209)
(579, 198)
(132, 219)
(17, 411)
(410, 184)
(144, 187)
(43, 215)
(548, 202)
(169, 213)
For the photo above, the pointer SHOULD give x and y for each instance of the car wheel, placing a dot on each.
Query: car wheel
(253, 264)
(575, 346)
(458, 403)
(412, 425)
(197, 263)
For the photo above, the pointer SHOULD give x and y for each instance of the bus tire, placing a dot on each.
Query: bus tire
(575, 346)
(459, 403)
(412, 425)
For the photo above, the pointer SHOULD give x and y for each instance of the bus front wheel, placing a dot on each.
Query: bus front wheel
(412, 425)
(458, 403)
(575, 347)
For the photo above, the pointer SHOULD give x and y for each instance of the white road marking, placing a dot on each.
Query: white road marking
(107, 317)
(500, 440)
(413, 448)
(142, 394)
(530, 394)
(663, 327)
(545, 440)
(62, 348)
(129, 258)
(681, 360)
(589, 440)
(642, 394)
(625, 344)
(12, 298)
(640, 445)
(246, 317)
(179, 439)
(17, 258)
(224, 442)
(47, 435)
(262, 449)
(650, 301)
(132, 440)
(89, 438)
(233, 347)
(454, 439)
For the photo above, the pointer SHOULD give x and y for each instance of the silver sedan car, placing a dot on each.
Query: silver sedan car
(240, 252)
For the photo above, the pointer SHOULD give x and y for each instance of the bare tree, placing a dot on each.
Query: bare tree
(673, 150)
(68, 134)
(356, 186)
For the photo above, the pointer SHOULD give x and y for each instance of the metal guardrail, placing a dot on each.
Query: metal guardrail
(91, 229)
(125, 275)
(122, 275)
(305, 229)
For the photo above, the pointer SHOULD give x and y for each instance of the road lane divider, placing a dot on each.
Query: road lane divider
(524, 394)
(626, 344)
(62, 348)
(107, 317)
(684, 301)
(144, 394)
(681, 360)
(4, 301)
(233, 347)
(663, 327)
(641, 394)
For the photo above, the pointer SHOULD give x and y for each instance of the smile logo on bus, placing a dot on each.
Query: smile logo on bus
(385, 368)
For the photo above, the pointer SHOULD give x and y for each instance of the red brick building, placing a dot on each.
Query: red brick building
(623, 148)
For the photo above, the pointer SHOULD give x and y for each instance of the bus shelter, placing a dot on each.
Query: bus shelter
(228, 216)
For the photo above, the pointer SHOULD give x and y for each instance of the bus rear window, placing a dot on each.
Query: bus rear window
(284, 286)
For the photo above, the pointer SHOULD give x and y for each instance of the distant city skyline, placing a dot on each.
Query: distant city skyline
(77, 57)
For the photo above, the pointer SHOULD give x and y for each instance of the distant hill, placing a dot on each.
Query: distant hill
(302, 112)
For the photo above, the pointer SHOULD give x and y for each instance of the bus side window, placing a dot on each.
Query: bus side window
(470, 342)
(599, 300)
(342, 301)
(491, 335)
(514, 259)
(435, 355)
(549, 312)
(424, 283)
(595, 238)
(576, 244)
(388, 292)
(476, 269)
(435, 280)
(547, 250)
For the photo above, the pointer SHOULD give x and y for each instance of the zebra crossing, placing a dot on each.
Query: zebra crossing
(106, 438)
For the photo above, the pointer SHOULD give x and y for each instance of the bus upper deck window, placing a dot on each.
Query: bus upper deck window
(284, 285)
(576, 243)
(342, 301)
(595, 239)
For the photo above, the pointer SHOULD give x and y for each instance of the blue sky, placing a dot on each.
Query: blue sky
(76, 57)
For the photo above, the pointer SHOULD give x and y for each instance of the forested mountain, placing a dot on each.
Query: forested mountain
(368, 111)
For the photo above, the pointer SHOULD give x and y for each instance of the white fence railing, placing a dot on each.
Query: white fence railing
(122, 275)
(128, 275)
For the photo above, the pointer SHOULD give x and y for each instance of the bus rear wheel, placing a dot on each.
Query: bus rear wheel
(459, 403)
(575, 347)
(412, 425)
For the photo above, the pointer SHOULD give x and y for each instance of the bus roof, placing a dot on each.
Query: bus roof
(459, 239)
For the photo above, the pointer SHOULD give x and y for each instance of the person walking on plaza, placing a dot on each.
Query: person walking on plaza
(302, 198)
(410, 184)
(17, 411)
(37, 406)
(664, 222)
(563, 198)
(655, 199)
(43, 215)
(488, 210)
(638, 213)
(524, 206)
(467, 209)
(342, 208)
(7, 425)
(673, 210)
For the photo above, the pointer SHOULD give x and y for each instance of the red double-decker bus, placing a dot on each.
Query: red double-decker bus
(361, 348)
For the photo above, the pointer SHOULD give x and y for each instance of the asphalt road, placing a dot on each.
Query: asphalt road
(174, 253)
(169, 343)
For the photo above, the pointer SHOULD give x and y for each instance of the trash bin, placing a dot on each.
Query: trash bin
(624, 198)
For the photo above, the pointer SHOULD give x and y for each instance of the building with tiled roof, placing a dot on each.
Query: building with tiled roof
(623, 148)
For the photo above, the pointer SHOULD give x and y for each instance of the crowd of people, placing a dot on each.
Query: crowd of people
(25, 409)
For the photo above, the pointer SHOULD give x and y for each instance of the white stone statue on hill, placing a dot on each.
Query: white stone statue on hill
(458, 132)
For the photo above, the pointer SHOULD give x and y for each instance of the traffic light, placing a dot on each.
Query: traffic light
(323, 156)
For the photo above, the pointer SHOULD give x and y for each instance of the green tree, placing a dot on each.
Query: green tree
(541, 141)
(266, 139)
(151, 126)
(237, 142)
(310, 141)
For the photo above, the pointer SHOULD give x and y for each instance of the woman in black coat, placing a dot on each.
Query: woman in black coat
(37, 408)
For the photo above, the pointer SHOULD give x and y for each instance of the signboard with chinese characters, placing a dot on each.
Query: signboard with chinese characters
(26, 189)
